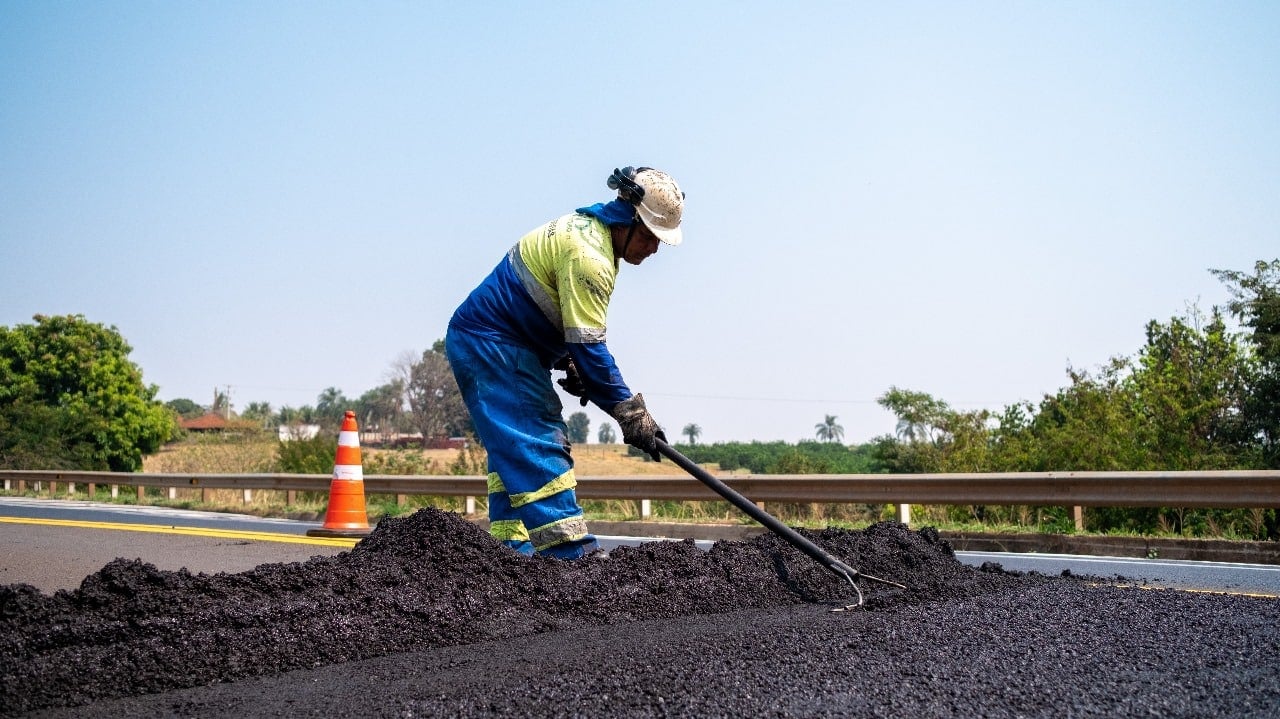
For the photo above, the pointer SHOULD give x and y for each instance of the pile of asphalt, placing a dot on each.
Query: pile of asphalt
(426, 581)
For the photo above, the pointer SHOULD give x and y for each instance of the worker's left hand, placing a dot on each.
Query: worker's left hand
(572, 382)
(638, 426)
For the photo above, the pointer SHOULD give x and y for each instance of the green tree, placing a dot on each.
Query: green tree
(1092, 424)
(221, 403)
(37, 436)
(795, 461)
(606, 434)
(920, 416)
(432, 395)
(1255, 301)
(259, 412)
(292, 416)
(1175, 406)
(783, 458)
(918, 445)
(579, 428)
(331, 406)
(1190, 384)
(693, 432)
(70, 395)
(966, 442)
(828, 430)
(381, 409)
(307, 456)
(185, 408)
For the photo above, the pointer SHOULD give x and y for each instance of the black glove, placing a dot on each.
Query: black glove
(639, 429)
(572, 383)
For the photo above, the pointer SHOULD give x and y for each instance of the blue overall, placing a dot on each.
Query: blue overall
(517, 413)
(545, 300)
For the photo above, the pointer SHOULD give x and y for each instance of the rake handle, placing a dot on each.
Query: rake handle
(793, 537)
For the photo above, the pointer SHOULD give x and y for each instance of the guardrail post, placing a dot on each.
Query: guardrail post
(646, 508)
(248, 496)
(115, 491)
(71, 488)
(291, 497)
(470, 505)
(93, 489)
(6, 485)
(402, 499)
(904, 514)
(173, 492)
(142, 493)
(1077, 515)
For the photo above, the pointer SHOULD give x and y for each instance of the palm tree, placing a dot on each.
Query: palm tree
(259, 411)
(912, 429)
(828, 430)
(331, 404)
(693, 432)
(287, 415)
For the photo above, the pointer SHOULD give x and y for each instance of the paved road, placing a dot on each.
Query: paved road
(1002, 647)
(54, 544)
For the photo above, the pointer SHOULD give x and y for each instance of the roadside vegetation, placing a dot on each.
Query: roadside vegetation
(1200, 393)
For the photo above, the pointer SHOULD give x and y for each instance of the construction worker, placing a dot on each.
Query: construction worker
(543, 308)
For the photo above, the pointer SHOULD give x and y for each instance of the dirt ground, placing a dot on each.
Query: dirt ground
(429, 616)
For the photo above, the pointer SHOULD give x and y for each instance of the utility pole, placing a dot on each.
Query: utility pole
(226, 402)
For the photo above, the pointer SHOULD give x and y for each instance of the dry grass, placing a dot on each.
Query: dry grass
(214, 454)
(256, 454)
(595, 460)
(612, 459)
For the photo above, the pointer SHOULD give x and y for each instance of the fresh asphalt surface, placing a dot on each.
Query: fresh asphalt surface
(1033, 647)
(54, 544)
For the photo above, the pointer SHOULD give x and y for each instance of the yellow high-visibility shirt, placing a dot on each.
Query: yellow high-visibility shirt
(568, 267)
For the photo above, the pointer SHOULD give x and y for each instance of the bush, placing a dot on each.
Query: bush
(307, 456)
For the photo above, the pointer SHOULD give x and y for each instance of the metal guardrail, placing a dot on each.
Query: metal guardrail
(1218, 489)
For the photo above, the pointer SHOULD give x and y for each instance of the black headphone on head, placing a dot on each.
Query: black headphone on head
(624, 181)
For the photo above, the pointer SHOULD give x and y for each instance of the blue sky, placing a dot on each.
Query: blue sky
(962, 199)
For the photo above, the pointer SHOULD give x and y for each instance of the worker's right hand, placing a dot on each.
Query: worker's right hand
(572, 382)
(639, 428)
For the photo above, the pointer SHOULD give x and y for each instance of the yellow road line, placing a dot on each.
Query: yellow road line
(190, 531)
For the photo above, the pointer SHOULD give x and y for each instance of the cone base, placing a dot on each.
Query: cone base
(341, 533)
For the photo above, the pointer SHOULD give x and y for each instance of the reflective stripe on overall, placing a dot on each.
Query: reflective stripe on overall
(517, 414)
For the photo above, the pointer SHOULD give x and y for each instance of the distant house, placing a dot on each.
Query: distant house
(214, 422)
(208, 423)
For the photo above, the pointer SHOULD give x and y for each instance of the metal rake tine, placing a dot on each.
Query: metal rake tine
(882, 581)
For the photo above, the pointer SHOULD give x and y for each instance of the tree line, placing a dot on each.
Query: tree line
(420, 397)
(1197, 395)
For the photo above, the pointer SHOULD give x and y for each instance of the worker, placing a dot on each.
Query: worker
(543, 308)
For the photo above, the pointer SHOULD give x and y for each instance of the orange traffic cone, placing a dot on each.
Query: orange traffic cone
(345, 516)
